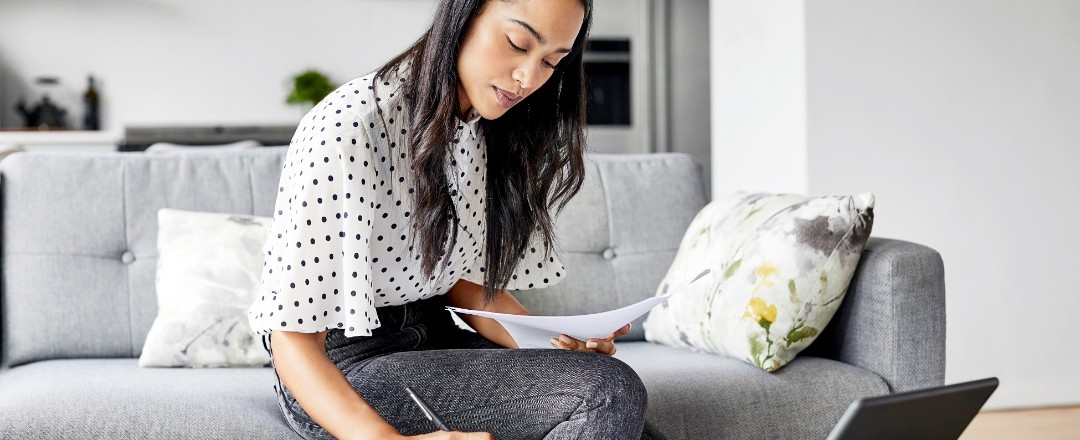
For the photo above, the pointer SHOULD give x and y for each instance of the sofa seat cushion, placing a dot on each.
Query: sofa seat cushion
(696, 395)
(115, 398)
(691, 395)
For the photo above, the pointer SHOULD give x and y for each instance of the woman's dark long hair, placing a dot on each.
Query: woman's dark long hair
(535, 151)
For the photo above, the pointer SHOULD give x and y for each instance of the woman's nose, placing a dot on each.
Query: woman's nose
(526, 75)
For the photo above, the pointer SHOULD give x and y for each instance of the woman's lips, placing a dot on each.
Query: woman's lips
(506, 99)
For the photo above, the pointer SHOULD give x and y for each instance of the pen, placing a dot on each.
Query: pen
(428, 412)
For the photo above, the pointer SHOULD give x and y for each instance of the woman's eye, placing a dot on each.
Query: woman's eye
(514, 46)
(517, 48)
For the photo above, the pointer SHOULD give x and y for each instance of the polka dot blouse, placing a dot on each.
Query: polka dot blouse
(339, 245)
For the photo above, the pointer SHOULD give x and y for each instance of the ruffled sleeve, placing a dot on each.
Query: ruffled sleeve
(537, 269)
(317, 275)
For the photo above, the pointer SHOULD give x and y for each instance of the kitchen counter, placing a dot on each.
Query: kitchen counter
(63, 140)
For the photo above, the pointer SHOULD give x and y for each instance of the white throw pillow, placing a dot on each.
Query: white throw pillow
(781, 265)
(208, 272)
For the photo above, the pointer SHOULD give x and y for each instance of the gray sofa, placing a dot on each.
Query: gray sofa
(77, 300)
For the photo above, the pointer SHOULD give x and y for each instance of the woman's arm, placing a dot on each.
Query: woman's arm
(468, 295)
(321, 388)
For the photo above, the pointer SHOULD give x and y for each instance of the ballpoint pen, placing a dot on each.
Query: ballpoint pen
(428, 412)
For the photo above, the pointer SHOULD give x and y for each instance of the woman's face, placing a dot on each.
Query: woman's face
(511, 49)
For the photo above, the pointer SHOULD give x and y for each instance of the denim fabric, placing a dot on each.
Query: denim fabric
(477, 385)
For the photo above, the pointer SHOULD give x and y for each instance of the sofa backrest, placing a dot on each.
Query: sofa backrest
(619, 235)
(79, 238)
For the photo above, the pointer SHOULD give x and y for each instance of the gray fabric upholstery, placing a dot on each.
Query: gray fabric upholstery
(78, 257)
(892, 320)
(620, 233)
(69, 229)
(80, 240)
(114, 399)
(703, 396)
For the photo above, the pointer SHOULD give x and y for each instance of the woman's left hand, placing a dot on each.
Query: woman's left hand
(605, 346)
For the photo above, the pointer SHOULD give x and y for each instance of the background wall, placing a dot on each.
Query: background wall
(202, 62)
(198, 61)
(689, 116)
(758, 101)
(960, 116)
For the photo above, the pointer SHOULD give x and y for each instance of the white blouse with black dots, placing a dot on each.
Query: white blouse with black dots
(339, 245)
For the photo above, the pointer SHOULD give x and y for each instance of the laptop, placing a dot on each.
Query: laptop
(928, 414)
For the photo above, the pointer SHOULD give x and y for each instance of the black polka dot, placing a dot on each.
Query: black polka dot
(337, 197)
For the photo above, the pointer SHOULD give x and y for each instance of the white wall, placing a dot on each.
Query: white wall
(198, 61)
(758, 104)
(961, 116)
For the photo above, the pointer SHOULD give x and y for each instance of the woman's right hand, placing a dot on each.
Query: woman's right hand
(454, 435)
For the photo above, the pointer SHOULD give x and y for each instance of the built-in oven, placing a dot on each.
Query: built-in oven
(607, 69)
(624, 68)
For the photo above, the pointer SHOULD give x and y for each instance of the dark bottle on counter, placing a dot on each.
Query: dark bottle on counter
(91, 115)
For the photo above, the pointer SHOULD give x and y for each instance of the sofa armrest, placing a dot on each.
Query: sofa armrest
(892, 320)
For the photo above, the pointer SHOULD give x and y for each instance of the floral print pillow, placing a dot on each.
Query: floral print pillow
(781, 264)
(208, 272)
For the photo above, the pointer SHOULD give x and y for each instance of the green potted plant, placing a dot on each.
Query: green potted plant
(309, 88)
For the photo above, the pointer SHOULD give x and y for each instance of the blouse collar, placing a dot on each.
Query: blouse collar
(472, 125)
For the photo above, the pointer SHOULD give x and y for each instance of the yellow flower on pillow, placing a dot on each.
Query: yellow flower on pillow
(762, 312)
(764, 271)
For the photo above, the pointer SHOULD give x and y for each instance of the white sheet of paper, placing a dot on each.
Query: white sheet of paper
(537, 331)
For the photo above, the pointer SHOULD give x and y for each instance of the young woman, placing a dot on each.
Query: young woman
(426, 184)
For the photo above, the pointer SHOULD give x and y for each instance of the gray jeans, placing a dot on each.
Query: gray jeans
(477, 385)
